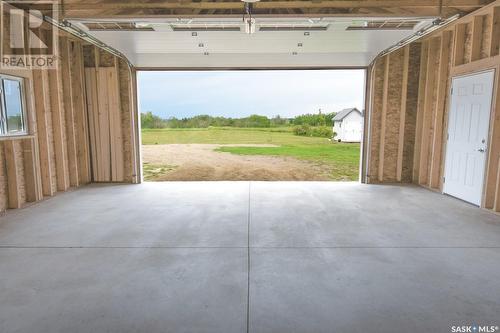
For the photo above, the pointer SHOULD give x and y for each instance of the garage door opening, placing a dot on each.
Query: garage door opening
(251, 125)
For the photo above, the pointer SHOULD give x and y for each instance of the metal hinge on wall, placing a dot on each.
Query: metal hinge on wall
(444, 180)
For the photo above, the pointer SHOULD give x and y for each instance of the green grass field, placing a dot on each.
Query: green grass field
(342, 159)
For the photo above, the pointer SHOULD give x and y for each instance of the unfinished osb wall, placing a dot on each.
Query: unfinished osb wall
(57, 153)
(408, 103)
(392, 115)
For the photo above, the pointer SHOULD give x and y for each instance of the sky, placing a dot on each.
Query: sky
(241, 93)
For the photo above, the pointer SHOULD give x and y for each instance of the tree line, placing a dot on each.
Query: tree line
(149, 120)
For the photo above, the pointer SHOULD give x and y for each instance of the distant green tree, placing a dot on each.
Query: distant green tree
(149, 120)
(319, 119)
(256, 121)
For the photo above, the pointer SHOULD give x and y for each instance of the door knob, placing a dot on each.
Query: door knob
(481, 150)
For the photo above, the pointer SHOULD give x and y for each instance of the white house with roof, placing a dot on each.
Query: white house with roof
(348, 125)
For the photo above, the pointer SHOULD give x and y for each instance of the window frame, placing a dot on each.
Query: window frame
(4, 133)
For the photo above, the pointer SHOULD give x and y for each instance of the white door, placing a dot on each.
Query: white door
(468, 125)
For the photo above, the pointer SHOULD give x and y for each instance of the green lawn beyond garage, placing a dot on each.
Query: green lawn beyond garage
(342, 159)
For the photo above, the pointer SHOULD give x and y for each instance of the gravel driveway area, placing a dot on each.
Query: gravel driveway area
(201, 162)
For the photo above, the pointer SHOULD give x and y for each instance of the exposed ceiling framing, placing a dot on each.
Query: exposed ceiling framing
(223, 8)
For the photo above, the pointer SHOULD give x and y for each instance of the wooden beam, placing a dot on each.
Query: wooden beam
(385, 91)
(71, 138)
(402, 110)
(423, 177)
(115, 122)
(370, 125)
(78, 93)
(365, 141)
(477, 31)
(103, 129)
(41, 105)
(92, 109)
(491, 194)
(57, 108)
(441, 91)
(12, 168)
(459, 44)
(135, 159)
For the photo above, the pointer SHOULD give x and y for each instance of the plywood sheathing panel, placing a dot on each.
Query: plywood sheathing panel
(486, 36)
(31, 172)
(392, 116)
(88, 55)
(402, 112)
(459, 44)
(411, 112)
(106, 59)
(420, 109)
(375, 118)
(127, 116)
(19, 156)
(476, 37)
(494, 44)
(467, 43)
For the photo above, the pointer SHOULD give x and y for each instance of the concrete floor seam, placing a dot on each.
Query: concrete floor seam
(123, 247)
(248, 257)
(251, 247)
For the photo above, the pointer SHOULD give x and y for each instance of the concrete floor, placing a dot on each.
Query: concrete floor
(257, 257)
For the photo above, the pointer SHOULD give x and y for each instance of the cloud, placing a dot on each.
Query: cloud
(241, 93)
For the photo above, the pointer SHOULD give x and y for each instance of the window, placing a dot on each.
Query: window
(12, 116)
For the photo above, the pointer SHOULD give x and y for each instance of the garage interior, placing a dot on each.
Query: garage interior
(86, 246)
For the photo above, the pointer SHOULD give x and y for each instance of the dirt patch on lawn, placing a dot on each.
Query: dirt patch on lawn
(201, 162)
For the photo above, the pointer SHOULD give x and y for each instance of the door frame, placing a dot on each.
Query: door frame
(489, 134)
